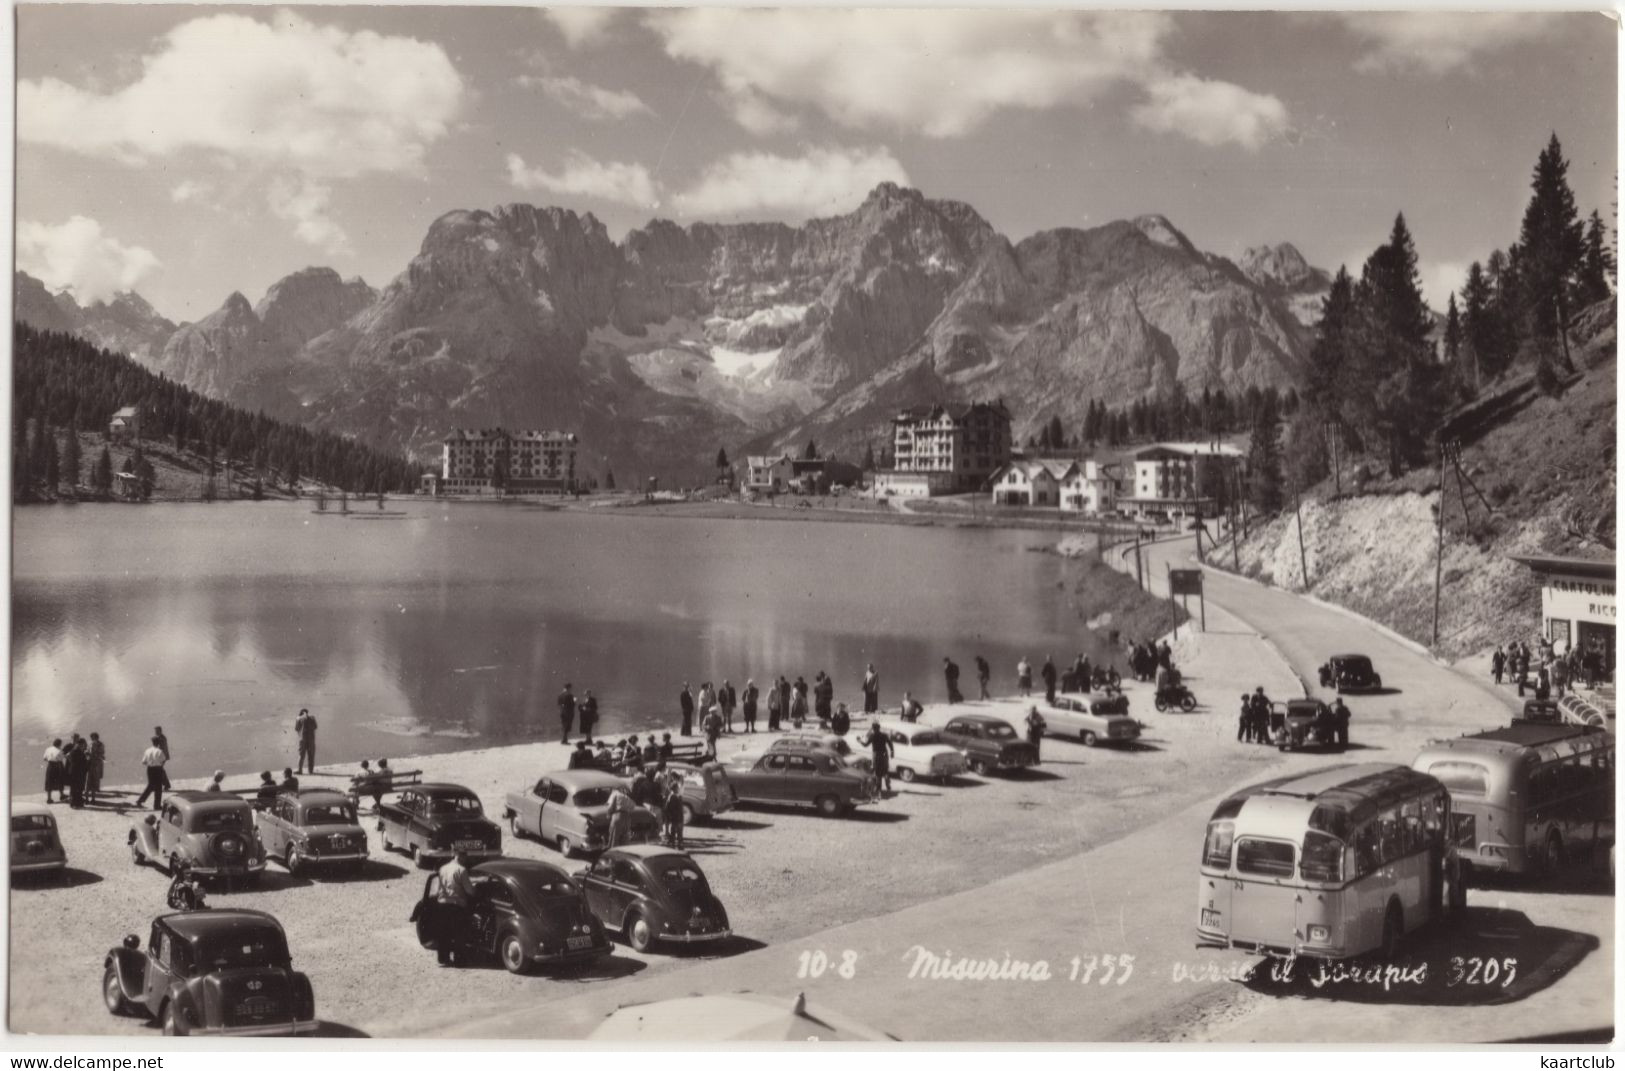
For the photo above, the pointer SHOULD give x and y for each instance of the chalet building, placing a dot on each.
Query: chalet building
(493, 460)
(1035, 482)
(944, 449)
(1176, 479)
(768, 475)
(1090, 488)
(125, 425)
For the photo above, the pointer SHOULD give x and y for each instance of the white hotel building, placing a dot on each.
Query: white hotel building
(489, 460)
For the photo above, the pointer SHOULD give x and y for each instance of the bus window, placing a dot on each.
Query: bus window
(1543, 786)
(1410, 816)
(1367, 854)
(1462, 778)
(1322, 858)
(1391, 846)
(1270, 858)
(1216, 852)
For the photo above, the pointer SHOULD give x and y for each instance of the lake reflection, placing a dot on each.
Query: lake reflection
(456, 625)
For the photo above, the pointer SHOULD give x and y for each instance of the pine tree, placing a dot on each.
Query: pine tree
(70, 457)
(1057, 433)
(53, 463)
(609, 479)
(811, 453)
(1597, 264)
(869, 457)
(1397, 401)
(1553, 245)
(101, 477)
(22, 468)
(722, 459)
(1264, 459)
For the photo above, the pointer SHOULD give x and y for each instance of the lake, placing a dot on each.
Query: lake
(454, 625)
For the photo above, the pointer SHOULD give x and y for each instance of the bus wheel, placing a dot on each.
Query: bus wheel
(1393, 932)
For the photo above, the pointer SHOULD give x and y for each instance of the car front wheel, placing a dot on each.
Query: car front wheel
(828, 806)
(1090, 739)
(174, 1025)
(113, 993)
(293, 859)
(565, 848)
(514, 826)
(906, 774)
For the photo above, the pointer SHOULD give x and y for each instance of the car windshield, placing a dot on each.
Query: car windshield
(1356, 665)
(216, 821)
(460, 806)
(29, 823)
(248, 948)
(544, 886)
(330, 814)
(921, 739)
(592, 797)
(999, 731)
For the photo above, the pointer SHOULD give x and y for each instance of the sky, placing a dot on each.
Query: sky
(186, 152)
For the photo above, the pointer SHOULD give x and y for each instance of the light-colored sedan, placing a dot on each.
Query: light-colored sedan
(571, 809)
(1093, 721)
(920, 751)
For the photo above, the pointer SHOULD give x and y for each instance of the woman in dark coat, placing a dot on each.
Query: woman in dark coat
(98, 767)
(78, 768)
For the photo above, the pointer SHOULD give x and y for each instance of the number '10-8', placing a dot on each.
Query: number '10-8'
(813, 964)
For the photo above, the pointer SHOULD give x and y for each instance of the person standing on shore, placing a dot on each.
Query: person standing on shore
(950, 676)
(984, 674)
(56, 771)
(911, 708)
(798, 702)
(1498, 662)
(708, 699)
(567, 713)
(749, 704)
(881, 750)
(713, 730)
(1244, 725)
(728, 698)
(823, 698)
(162, 742)
(784, 699)
(153, 759)
(98, 768)
(775, 705)
(685, 704)
(1035, 728)
(304, 726)
(1048, 673)
(78, 763)
(588, 715)
(1024, 677)
(871, 690)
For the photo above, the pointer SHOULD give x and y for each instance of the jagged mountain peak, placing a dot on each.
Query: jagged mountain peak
(1157, 228)
(1280, 266)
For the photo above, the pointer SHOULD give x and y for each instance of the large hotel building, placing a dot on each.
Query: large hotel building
(944, 449)
(515, 462)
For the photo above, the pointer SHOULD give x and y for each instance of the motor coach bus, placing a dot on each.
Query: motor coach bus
(1332, 864)
(1527, 798)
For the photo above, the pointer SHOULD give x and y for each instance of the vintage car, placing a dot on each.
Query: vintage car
(652, 894)
(1301, 724)
(314, 827)
(431, 823)
(918, 751)
(1093, 721)
(801, 743)
(818, 777)
(1350, 673)
(35, 845)
(211, 834)
(524, 912)
(571, 809)
(211, 972)
(988, 743)
(707, 792)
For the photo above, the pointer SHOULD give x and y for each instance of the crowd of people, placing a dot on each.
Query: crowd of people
(1553, 673)
(73, 771)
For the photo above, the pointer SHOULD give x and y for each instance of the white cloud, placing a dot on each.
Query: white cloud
(1437, 42)
(936, 71)
(189, 190)
(581, 25)
(76, 256)
(821, 182)
(586, 99)
(582, 176)
(1439, 280)
(307, 204)
(1211, 113)
(281, 92)
(757, 116)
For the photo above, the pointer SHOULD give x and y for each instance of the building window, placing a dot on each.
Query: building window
(1557, 630)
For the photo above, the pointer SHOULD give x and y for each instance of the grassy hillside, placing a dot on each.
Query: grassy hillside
(1547, 465)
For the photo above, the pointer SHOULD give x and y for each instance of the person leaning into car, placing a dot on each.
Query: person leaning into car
(457, 896)
(621, 807)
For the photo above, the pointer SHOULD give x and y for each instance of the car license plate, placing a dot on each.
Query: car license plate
(473, 845)
(579, 942)
(1211, 919)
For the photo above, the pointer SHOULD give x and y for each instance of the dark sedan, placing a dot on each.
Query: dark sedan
(431, 823)
(211, 972)
(1350, 673)
(988, 743)
(652, 894)
(524, 912)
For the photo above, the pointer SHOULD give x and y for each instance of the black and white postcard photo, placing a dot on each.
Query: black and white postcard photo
(694, 525)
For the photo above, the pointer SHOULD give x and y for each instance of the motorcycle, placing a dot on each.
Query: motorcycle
(1107, 680)
(184, 892)
(1175, 695)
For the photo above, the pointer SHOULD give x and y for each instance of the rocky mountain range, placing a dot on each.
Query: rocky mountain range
(661, 347)
(126, 324)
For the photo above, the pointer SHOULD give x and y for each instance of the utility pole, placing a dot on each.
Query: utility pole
(1139, 571)
(1303, 556)
(1438, 560)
